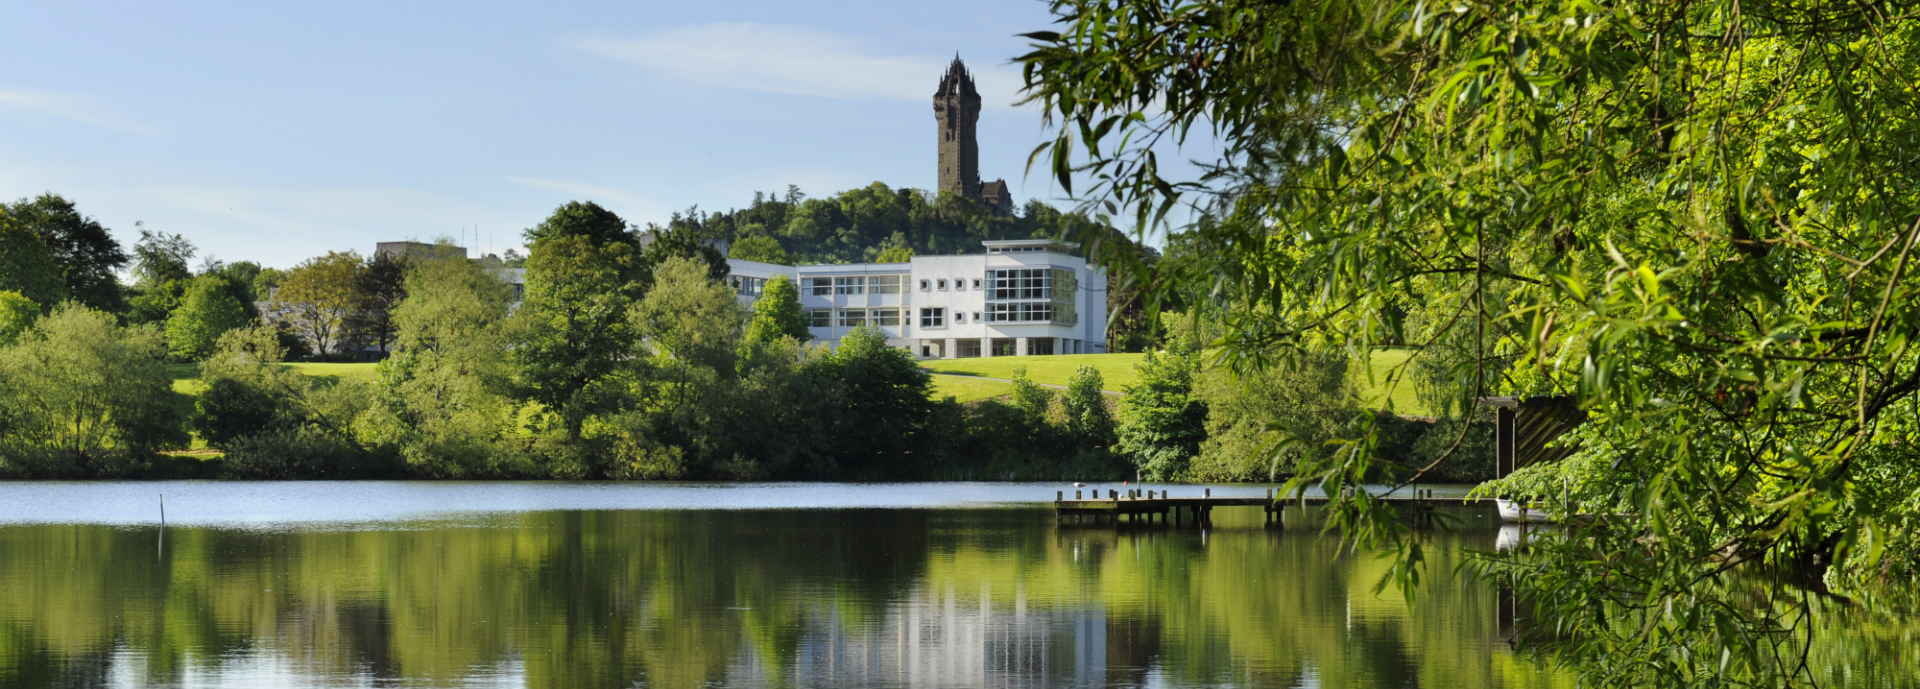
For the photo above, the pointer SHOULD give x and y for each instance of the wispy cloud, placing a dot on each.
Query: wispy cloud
(633, 208)
(281, 226)
(75, 107)
(794, 60)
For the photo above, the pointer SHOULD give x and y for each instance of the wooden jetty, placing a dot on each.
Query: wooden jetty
(1153, 506)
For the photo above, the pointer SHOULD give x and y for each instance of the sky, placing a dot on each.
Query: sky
(278, 131)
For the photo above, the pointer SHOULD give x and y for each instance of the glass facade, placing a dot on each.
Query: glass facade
(1032, 295)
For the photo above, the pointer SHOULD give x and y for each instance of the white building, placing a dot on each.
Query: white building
(1022, 297)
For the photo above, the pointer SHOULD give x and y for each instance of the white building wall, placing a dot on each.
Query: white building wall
(958, 286)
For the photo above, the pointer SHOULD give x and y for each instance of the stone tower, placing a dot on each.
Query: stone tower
(957, 107)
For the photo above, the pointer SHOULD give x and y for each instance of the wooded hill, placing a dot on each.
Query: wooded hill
(875, 223)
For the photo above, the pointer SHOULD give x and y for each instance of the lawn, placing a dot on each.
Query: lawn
(968, 388)
(1404, 401)
(1116, 370)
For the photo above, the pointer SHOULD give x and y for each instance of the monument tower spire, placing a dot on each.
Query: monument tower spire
(956, 106)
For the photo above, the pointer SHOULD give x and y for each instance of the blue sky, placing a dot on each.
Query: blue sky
(276, 131)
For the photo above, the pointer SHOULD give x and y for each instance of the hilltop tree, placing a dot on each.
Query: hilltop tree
(84, 251)
(759, 248)
(777, 313)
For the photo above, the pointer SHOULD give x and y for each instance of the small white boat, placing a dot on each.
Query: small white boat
(1523, 512)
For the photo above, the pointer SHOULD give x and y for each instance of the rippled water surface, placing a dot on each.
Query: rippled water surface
(570, 585)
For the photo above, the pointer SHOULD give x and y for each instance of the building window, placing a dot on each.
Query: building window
(925, 285)
(976, 284)
(819, 287)
(1020, 312)
(849, 285)
(853, 318)
(943, 284)
(746, 286)
(886, 316)
(822, 318)
(959, 318)
(976, 317)
(887, 284)
(933, 318)
(1020, 283)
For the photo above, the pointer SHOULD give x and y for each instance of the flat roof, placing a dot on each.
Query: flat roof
(1029, 242)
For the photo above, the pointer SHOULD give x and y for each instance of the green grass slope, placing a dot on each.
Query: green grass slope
(1115, 369)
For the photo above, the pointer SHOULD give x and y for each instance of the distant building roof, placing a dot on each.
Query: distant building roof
(1009, 246)
(418, 250)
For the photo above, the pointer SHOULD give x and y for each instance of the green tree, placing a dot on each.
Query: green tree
(265, 282)
(1162, 420)
(1697, 220)
(25, 265)
(777, 313)
(1030, 397)
(248, 391)
(161, 272)
(382, 287)
(688, 319)
(881, 405)
(207, 311)
(1088, 419)
(759, 248)
(572, 331)
(317, 298)
(160, 258)
(84, 251)
(84, 396)
(586, 219)
(445, 384)
(17, 313)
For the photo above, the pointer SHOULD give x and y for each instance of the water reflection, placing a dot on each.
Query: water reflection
(865, 597)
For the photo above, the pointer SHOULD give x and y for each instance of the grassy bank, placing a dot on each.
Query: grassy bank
(966, 380)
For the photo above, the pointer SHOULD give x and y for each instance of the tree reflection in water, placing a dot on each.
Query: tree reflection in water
(916, 598)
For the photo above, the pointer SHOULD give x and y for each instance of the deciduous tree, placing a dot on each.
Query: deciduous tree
(571, 329)
(17, 313)
(318, 296)
(85, 252)
(1697, 220)
(207, 311)
(777, 313)
(83, 395)
(25, 265)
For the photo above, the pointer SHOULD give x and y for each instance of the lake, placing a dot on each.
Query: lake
(391, 584)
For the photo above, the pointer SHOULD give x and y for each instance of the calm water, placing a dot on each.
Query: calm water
(568, 585)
